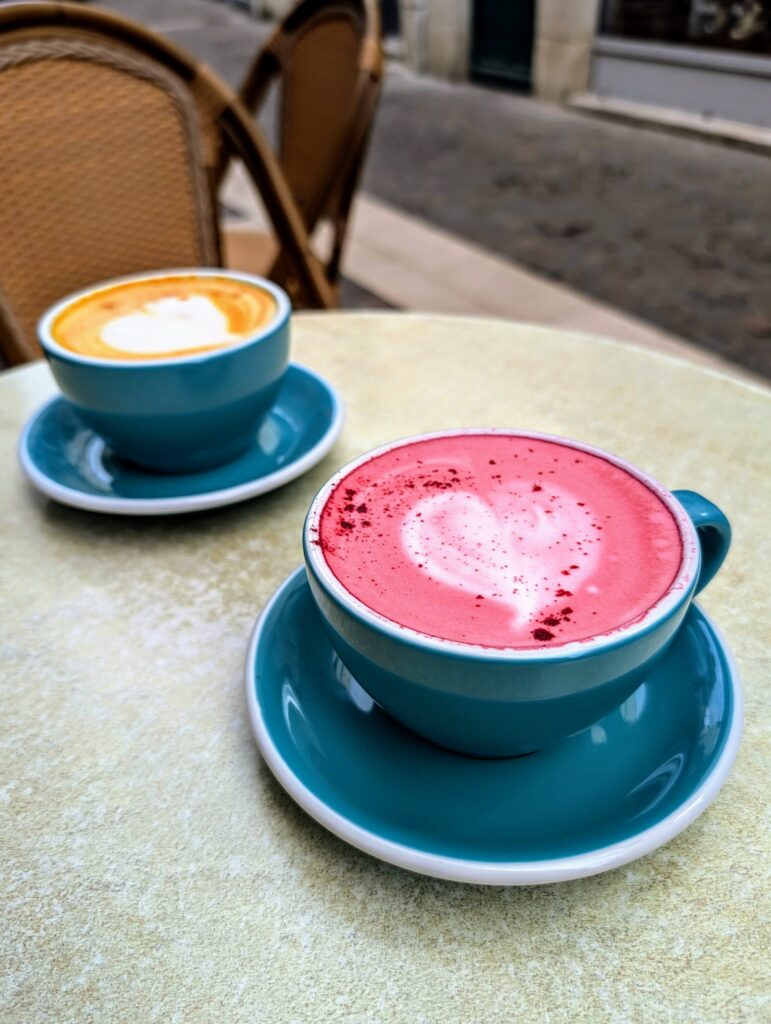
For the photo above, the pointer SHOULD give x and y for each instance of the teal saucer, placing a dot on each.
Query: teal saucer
(602, 798)
(68, 462)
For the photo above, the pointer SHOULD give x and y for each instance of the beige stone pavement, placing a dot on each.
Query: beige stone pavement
(418, 267)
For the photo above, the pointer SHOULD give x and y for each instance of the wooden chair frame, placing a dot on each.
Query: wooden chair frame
(334, 194)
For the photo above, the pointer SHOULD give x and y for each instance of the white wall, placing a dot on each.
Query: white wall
(563, 46)
(437, 36)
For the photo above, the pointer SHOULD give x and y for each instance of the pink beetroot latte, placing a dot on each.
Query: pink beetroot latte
(500, 540)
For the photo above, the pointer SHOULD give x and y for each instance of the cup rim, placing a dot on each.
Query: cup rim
(679, 591)
(52, 347)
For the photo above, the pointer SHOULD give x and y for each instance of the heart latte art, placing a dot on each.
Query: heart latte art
(500, 540)
(498, 548)
(163, 317)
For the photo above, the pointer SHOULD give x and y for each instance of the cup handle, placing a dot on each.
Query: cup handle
(713, 530)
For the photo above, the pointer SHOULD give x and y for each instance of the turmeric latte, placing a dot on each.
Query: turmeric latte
(164, 317)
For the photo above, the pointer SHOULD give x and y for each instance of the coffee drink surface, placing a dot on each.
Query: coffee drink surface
(163, 317)
(500, 540)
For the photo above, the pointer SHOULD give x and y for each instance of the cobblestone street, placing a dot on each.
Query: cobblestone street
(673, 230)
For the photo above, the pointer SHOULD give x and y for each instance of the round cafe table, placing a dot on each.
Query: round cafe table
(151, 869)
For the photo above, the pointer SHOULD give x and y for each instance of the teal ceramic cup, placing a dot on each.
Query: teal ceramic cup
(497, 703)
(176, 414)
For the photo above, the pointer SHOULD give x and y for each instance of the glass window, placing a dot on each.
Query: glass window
(727, 24)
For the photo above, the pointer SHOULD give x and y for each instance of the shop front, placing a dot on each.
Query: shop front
(707, 57)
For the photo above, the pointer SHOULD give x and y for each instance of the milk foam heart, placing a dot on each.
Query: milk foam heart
(500, 540)
(167, 326)
(499, 548)
(166, 316)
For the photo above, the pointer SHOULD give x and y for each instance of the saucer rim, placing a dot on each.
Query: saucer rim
(251, 488)
(480, 872)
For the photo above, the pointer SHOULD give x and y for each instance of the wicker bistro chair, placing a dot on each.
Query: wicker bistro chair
(110, 139)
(326, 60)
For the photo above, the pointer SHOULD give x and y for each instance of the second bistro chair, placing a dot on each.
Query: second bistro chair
(325, 61)
(110, 139)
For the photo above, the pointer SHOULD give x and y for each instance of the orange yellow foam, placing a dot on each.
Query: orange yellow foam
(87, 325)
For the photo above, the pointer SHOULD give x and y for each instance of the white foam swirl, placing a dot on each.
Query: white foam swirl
(169, 325)
(508, 548)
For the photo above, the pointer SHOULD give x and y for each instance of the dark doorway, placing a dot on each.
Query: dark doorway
(502, 42)
(389, 17)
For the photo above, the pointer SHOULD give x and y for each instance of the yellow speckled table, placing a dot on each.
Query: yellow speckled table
(150, 867)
